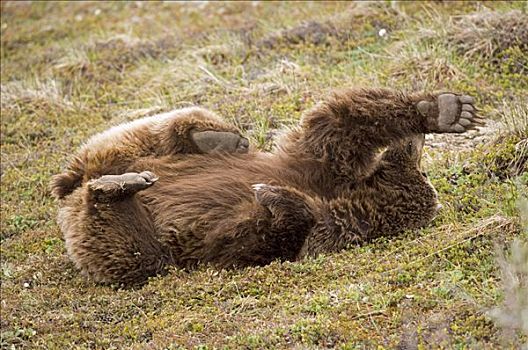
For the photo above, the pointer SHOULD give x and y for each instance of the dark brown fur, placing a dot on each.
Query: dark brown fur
(326, 186)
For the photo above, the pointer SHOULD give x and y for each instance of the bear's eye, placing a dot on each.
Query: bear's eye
(410, 147)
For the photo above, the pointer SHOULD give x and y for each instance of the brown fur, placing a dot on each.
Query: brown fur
(111, 152)
(326, 186)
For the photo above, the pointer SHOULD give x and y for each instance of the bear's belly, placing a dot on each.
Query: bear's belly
(211, 216)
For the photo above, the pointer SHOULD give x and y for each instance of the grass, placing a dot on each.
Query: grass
(70, 70)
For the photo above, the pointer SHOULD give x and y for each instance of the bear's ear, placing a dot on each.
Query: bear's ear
(63, 184)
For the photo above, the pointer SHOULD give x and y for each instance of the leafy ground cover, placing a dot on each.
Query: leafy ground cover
(71, 69)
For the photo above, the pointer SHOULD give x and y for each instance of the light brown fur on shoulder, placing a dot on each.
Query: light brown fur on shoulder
(111, 151)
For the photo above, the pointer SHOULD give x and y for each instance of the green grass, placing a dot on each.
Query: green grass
(70, 70)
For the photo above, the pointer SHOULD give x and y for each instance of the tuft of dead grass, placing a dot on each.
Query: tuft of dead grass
(424, 68)
(514, 115)
(487, 33)
(35, 95)
(491, 35)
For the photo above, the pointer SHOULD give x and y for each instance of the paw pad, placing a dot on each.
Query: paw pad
(113, 187)
(450, 113)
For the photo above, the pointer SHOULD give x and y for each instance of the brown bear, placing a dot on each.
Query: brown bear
(183, 188)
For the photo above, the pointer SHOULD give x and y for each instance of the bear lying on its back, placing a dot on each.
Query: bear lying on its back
(183, 188)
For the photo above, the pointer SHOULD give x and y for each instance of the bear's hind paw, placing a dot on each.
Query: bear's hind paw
(450, 113)
(220, 141)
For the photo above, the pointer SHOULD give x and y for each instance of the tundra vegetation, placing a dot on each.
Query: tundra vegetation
(70, 70)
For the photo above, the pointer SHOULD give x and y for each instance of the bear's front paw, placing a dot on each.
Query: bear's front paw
(274, 197)
(262, 191)
(279, 198)
(112, 187)
(289, 209)
(450, 113)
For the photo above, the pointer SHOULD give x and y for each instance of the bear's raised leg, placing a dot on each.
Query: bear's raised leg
(346, 131)
(396, 197)
(109, 233)
(186, 131)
